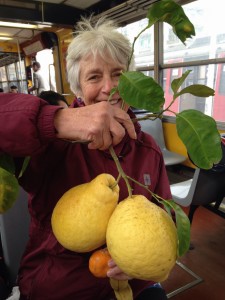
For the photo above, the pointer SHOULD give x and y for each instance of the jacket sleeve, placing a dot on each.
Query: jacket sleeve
(26, 124)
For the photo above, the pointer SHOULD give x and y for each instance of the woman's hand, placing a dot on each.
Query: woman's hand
(100, 124)
(115, 272)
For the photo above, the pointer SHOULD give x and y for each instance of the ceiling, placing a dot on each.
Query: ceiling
(64, 13)
(61, 13)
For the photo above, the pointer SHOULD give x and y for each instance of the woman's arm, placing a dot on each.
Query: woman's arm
(27, 123)
(100, 124)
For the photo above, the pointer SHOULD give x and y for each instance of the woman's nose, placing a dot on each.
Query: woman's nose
(108, 84)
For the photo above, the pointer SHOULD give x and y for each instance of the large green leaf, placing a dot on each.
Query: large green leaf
(198, 90)
(176, 83)
(183, 229)
(172, 13)
(182, 224)
(141, 91)
(200, 136)
(9, 189)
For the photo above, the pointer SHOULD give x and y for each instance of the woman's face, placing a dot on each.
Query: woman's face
(97, 78)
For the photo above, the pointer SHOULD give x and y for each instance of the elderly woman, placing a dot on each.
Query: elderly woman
(96, 57)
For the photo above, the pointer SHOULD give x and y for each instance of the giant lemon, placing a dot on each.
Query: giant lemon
(9, 189)
(142, 239)
(81, 216)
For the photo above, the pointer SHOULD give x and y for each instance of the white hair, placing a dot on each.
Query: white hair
(100, 39)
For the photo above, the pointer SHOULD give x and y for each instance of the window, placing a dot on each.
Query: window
(196, 55)
(221, 89)
(144, 45)
(3, 76)
(45, 58)
(13, 74)
(209, 43)
(21, 70)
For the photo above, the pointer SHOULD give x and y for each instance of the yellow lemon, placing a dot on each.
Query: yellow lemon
(80, 217)
(9, 189)
(142, 239)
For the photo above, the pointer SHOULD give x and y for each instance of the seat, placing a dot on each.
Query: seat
(155, 129)
(207, 186)
(183, 192)
(14, 226)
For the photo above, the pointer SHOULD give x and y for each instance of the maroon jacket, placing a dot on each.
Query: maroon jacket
(48, 271)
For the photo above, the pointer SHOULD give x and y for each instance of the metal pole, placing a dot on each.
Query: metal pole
(20, 66)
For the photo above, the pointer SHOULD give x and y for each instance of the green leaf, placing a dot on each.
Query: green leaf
(176, 83)
(183, 229)
(172, 13)
(198, 90)
(166, 206)
(182, 224)
(9, 189)
(200, 135)
(7, 163)
(141, 91)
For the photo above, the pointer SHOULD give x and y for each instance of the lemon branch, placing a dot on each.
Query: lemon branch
(182, 221)
(155, 196)
(145, 187)
(126, 178)
(120, 170)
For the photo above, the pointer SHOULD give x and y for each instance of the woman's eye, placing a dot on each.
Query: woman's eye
(93, 77)
(117, 74)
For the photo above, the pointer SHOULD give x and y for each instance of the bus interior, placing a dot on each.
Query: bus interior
(42, 30)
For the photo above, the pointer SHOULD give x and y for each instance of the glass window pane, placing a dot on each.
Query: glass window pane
(45, 58)
(21, 70)
(23, 87)
(168, 76)
(11, 70)
(144, 46)
(209, 40)
(5, 87)
(213, 106)
(209, 43)
(218, 111)
(3, 76)
(149, 73)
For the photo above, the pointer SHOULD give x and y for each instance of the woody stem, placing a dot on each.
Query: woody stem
(120, 170)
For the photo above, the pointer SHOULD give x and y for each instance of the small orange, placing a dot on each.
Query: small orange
(98, 263)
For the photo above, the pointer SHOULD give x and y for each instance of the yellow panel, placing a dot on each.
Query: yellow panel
(65, 37)
(174, 143)
(6, 46)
